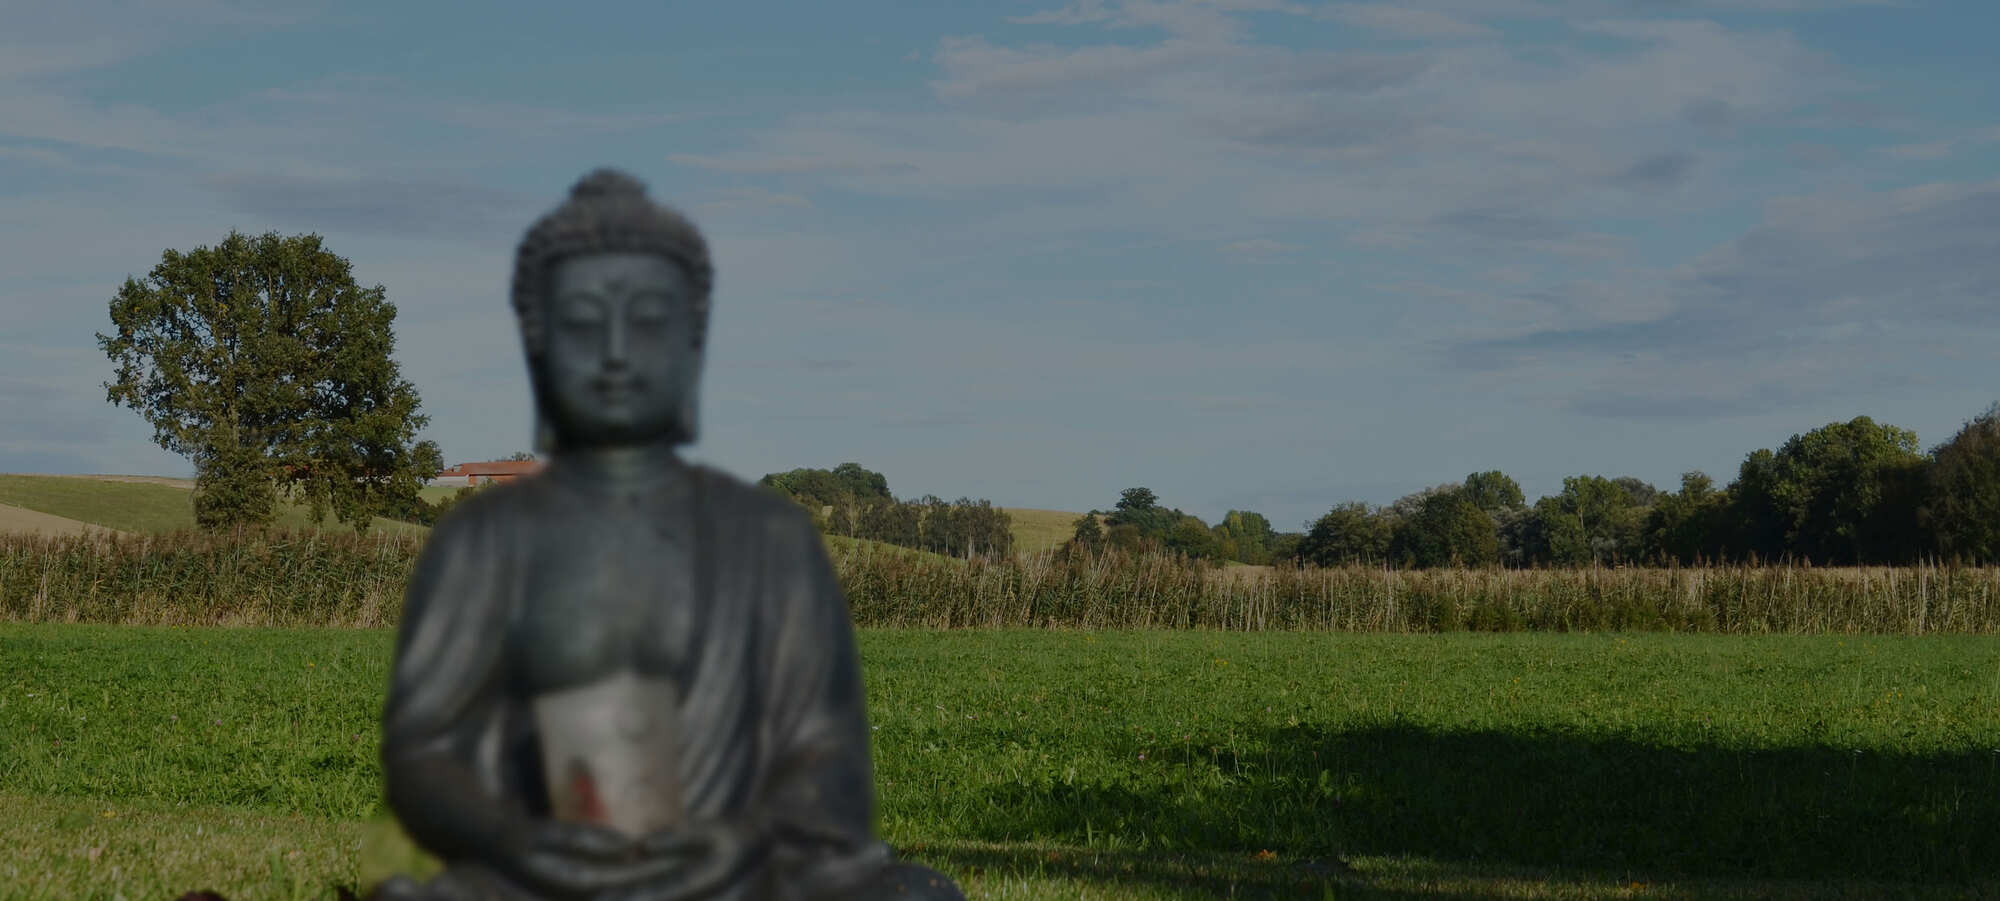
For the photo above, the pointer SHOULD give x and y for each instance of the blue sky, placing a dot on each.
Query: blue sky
(1251, 254)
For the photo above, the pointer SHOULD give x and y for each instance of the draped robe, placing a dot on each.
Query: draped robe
(770, 721)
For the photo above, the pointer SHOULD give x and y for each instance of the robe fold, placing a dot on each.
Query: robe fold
(771, 726)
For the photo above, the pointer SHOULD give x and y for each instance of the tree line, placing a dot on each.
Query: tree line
(1847, 493)
(855, 502)
(263, 361)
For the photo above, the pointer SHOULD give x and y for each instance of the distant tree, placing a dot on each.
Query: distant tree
(1593, 520)
(521, 457)
(1846, 492)
(981, 529)
(1756, 526)
(861, 484)
(1446, 528)
(1638, 492)
(841, 492)
(1493, 491)
(1348, 533)
(1246, 537)
(1962, 501)
(811, 488)
(1407, 506)
(1140, 508)
(1189, 535)
(933, 524)
(1689, 525)
(1523, 537)
(1137, 499)
(890, 522)
(262, 361)
(1086, 534)
(1126, 537)
(1285, 547)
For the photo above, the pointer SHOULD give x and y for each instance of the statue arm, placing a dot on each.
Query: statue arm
(820, 795)
(442, 700)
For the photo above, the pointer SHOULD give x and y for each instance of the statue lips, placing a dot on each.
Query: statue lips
(618, 390)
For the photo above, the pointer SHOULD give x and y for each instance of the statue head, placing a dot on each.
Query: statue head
(612, 294)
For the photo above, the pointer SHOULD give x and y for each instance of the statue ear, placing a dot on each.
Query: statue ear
(686, 416)
(545, 434)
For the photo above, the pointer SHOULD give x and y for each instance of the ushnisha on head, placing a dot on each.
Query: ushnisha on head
(612, 294)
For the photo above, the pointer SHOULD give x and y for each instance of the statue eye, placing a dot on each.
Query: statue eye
(650, 310)
(581, 312)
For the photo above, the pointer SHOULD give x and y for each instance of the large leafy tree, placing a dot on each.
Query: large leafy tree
(1688, 525)
(1140, 508)
(1189, 535)
(1593, 520)
(1446, 528)
(262, 361)
(1349, 533)
(1845, 492)
(1493, 491)
(1962, 507)
(1246, 537)
(1756, 524)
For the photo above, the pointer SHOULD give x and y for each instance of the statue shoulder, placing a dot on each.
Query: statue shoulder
(485, 506)
(751, 503)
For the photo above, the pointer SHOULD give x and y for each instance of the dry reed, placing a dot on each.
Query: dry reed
(338, 579)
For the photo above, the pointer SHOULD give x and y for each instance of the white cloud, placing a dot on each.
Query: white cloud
(1259, 250)
(1406, 21)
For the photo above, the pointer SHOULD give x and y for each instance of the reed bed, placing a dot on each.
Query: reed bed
(338, 579)
(312, 578)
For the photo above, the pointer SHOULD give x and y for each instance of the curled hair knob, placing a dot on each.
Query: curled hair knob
(605, 183)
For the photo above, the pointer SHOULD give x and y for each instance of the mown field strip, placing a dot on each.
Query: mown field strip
(1127, 764)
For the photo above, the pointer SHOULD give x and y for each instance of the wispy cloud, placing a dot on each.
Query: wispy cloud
(431, 208)
(1794, 308)
(1259, 250)
(1948, 147)
(1407, 21)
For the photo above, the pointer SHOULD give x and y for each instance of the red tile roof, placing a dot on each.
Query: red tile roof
(493, 468)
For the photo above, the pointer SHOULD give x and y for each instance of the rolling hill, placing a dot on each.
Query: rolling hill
(162, 504)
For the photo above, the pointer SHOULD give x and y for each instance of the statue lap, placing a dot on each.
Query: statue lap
(472, 882)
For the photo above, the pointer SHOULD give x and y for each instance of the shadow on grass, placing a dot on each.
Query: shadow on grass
(1606, 809)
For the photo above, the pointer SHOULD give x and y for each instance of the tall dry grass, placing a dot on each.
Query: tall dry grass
(338, 579)
(191, 578)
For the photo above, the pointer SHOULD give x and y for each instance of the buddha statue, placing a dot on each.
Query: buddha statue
(627, 676)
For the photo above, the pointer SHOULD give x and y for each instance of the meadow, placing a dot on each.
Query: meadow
(1116, 727)
(157, 505)
(1042, 764)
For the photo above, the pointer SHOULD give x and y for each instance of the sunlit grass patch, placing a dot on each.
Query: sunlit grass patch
(150, 508)
(65, 848)
(1042, 764)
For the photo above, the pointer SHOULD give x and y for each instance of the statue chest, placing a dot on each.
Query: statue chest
(610, 592)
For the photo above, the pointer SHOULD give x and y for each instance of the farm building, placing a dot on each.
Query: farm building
(482, 473)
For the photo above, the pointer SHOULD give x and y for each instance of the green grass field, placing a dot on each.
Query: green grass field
(147, 507)
(1058, 764)
(1036, 531)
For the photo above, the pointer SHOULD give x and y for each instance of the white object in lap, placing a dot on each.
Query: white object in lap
(609, 753)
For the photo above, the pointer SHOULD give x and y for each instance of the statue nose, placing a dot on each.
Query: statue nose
(614, 344)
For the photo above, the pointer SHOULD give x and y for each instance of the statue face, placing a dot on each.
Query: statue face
(621, 362)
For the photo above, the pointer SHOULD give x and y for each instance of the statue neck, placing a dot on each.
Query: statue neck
(621, 466)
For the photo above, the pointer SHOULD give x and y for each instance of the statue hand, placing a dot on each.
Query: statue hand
(575, 859)
(704, 858)
(584, 840)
